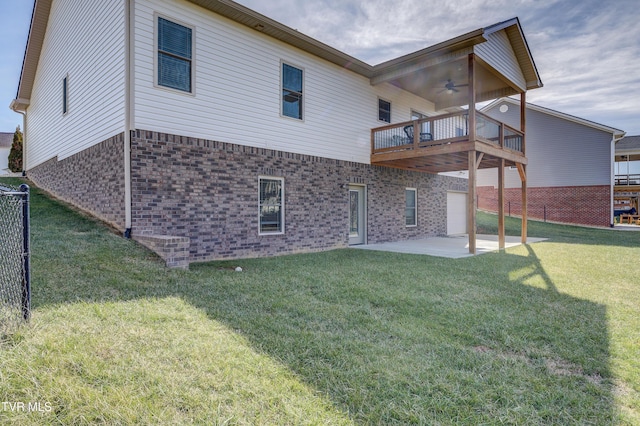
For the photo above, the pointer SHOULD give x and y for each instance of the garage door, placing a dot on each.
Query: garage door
(456, 213)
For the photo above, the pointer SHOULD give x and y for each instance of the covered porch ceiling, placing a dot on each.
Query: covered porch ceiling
(446, 83)
(441, 74)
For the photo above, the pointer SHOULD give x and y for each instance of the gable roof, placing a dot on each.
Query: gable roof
(6, 140)
(617, 133)
(37, 29)
(258, 22)
(521, 49)
(628, 143)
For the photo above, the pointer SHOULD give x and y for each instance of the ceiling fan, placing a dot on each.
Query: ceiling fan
(451, 87)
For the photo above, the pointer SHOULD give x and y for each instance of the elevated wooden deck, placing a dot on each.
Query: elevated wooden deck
(442, 144)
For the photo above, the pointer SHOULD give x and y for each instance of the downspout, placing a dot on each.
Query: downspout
(613, 182)
(128, 4)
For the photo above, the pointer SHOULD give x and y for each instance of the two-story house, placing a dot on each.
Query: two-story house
(571, 162)
(206, 130)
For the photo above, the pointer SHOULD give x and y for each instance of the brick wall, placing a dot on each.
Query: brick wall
(581, 205)
(208, 191)
(92, 180)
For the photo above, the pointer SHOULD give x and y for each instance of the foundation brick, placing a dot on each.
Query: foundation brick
(207, 191)
(197, 200)
(92, 180)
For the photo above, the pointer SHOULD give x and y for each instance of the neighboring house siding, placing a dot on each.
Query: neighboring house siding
(84, 42)
(208, 191)
(498, 53)
(4, 159)
(560, 152)
(6, 140)
(568, 174)
(237, 92)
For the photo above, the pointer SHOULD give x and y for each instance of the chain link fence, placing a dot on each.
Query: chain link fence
(15, 286)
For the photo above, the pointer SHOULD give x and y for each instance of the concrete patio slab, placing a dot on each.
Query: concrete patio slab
(625, 227)
(453, 246)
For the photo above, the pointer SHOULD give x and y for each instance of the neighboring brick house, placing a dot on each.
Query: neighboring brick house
(570, 171)
(626, 198)
(206, 130)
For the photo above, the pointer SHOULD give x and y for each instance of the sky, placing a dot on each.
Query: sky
(587, 51)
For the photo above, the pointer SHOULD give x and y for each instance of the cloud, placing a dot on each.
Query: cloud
(587, 54)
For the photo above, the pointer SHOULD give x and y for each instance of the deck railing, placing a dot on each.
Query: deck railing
(442, 130)
(627, 179)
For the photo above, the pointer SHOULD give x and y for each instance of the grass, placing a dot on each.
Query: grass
(546, 333)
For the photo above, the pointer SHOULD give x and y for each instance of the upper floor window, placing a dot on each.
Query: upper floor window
(65, 95)
(175, 45)
(384, 110)
(292, 85)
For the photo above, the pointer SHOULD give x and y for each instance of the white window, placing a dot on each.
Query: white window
(384, 110)
(271, 205)
(292, 87)
(175, 51)
(65, 95)
(411, 207)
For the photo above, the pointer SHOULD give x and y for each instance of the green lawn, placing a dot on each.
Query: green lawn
(547, 333)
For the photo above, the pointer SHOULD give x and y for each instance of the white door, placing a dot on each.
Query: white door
(357, 215)
(456, 213)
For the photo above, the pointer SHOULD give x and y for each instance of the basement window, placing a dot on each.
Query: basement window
(411, 207)
(271, 205)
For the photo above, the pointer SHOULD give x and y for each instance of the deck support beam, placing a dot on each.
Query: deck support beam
(501, 244)
(472, 201)
(521, 167)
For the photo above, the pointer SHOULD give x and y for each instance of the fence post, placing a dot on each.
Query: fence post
(26, 254)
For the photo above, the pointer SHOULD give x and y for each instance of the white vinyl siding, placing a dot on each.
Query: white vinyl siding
(84, 41)
(237, 87)
(498, 53)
